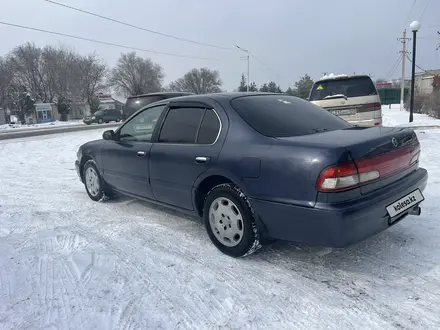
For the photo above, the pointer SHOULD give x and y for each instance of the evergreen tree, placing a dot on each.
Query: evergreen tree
(243, 84)
(253, 87)
(303, 86)
(264, 88)
(290, 91)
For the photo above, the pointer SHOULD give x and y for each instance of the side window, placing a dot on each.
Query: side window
(209, 129)
(141, 127)
(181, 125)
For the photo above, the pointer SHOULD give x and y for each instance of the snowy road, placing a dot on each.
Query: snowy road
(69, 263)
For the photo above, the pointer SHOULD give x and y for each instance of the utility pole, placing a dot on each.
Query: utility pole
(247, 58)
(402, 82)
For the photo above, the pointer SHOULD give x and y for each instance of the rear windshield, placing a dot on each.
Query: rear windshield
(351, 87)
(283, 116)
(134, 104)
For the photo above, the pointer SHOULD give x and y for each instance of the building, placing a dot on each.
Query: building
(424, 82)
(106, 101)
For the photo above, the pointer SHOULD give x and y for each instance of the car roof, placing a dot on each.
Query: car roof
(342, 77)
(224, 96)
(161, 94)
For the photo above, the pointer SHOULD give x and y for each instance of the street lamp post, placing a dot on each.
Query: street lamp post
(247, 57)
(415, 27)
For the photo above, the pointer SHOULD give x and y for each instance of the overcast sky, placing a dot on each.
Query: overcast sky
(292, 37)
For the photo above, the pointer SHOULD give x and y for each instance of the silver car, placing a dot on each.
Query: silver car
(353, 98)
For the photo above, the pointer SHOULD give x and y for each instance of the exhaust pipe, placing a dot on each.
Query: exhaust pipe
(416, 211)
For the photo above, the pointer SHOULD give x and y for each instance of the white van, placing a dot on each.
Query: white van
(353, 98)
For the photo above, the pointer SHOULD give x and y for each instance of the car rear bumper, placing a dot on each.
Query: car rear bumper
(333, 225)
(367, 123)
(78, 172)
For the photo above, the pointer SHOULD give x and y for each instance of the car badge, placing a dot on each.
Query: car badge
(394, 142)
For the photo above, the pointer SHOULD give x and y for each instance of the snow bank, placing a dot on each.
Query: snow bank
(395, 117)
(43, 125)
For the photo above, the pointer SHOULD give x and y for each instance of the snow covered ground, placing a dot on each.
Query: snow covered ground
(69, 263)
(395, 117)
(15, 127)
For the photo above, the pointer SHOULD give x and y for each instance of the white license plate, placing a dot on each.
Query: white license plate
(405, 203)
(348, 112)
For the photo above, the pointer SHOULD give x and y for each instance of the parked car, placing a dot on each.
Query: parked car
(260, 166)
(104, 116)
(353, 98)
(134, 103)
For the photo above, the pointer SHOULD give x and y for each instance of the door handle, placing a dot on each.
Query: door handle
(141, 153)
(201, 160)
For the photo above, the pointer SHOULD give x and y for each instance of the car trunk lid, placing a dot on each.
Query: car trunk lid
(378, 153)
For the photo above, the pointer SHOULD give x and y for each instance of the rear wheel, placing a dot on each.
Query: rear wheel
(230, 222)
(118, 120)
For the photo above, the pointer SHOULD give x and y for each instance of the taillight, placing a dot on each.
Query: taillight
(353, 174)
(370, 107)
(343, 177)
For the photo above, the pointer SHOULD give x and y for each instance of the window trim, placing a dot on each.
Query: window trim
(138, 113)
(198, 129)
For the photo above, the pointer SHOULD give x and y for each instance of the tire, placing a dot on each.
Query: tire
(93, 182)
(118, 120)
(238, 211)
(100, 121)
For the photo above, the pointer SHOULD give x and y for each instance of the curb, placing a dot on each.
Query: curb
(45, 131)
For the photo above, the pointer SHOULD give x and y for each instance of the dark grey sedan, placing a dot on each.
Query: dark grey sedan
(259, 167)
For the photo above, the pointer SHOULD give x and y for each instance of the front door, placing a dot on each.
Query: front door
(126, 160)
(187, 146)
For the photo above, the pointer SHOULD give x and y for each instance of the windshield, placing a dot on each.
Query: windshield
(99, 113)
(135, 103)
(351, 87)
(284, 116)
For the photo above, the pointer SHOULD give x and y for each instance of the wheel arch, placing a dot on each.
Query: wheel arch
(84, 159)
(205, 183)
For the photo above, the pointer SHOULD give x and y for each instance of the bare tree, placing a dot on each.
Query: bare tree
(93, 72)
(28, 67)
(6, 76)
(134, 75)
(198, 81)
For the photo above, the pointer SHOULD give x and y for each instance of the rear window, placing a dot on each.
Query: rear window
(134, 104)
(283, 116)
(351, 87)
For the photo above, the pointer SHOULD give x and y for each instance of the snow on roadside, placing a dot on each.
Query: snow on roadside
(68, 262)
(395, 117)
(15, 127)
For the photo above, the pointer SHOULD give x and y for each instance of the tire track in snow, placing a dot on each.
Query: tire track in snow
(126, 317)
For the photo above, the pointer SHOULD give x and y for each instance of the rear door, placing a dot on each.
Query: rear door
(126, 160)
(187, 146)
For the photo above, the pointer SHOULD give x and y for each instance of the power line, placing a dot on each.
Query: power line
(138, 27)
(265, 65)
(108, 43)
(409, 59)
(394, 67)
(424, 10)
(410, 11)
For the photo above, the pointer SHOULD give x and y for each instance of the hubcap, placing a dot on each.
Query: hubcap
(92, 181)
(226, 222)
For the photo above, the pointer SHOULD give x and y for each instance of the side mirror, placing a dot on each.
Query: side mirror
(108, 135)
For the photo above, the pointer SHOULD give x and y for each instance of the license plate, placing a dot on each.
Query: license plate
(405, 203)
(347, 112)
